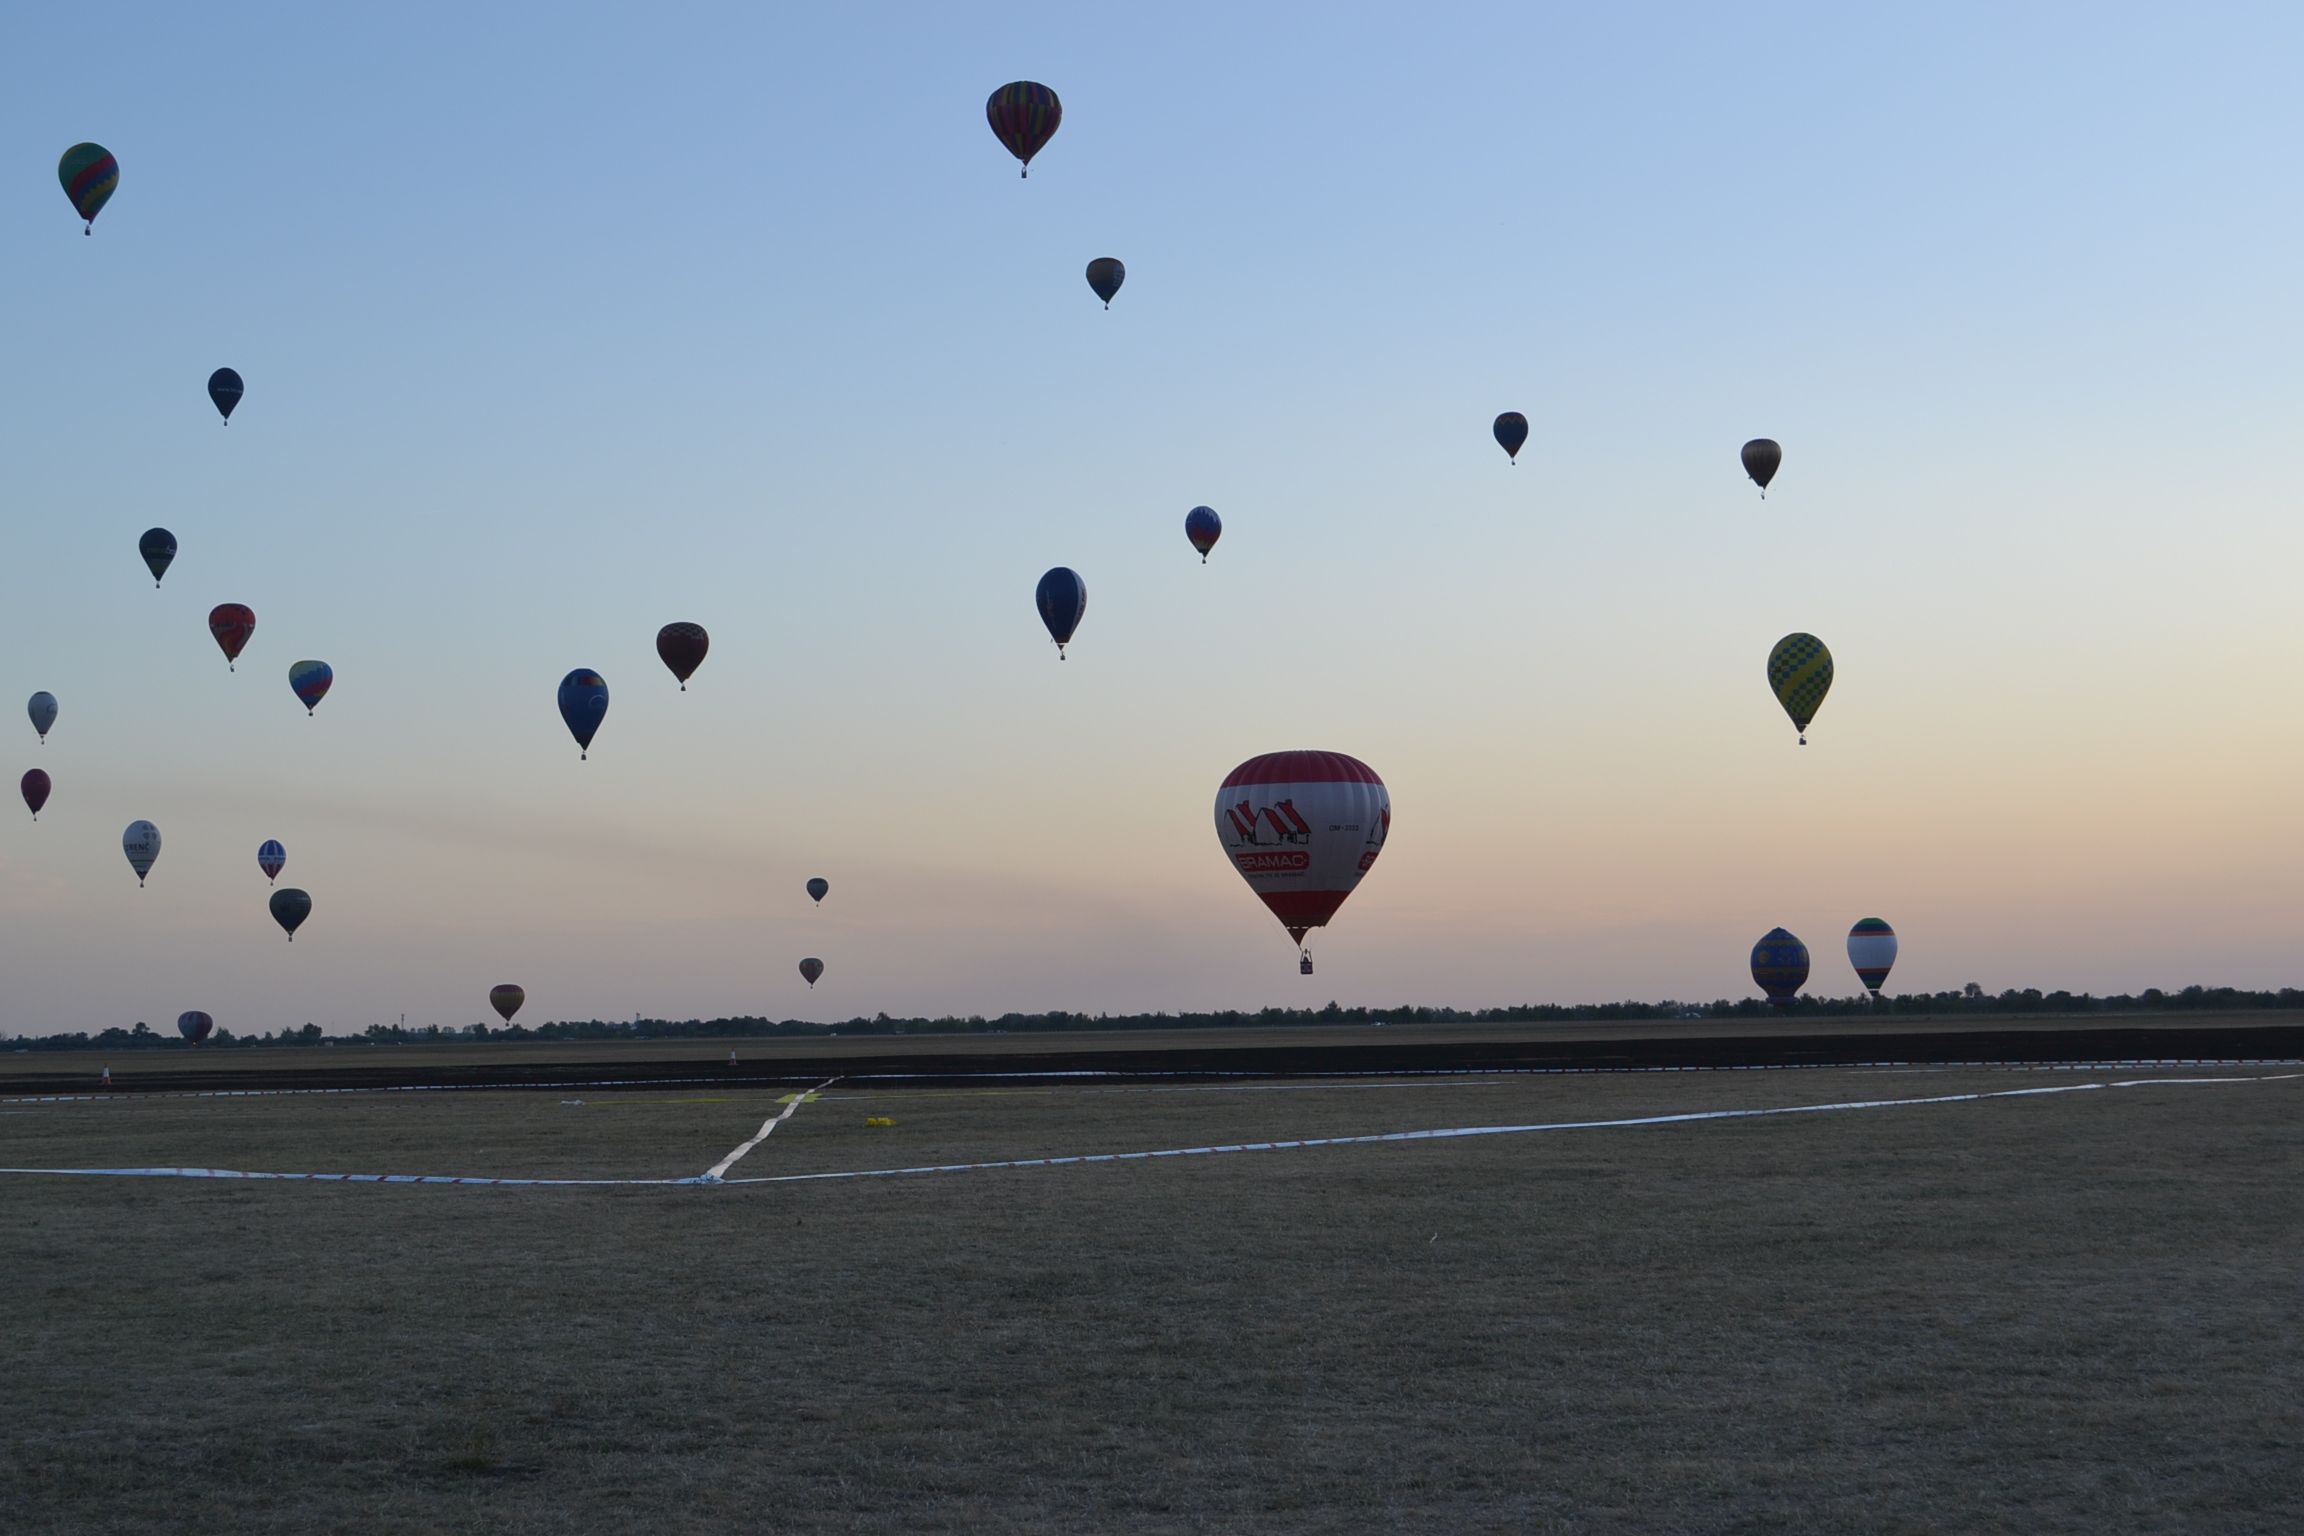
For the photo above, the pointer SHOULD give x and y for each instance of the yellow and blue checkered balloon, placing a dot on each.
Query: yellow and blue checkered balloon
(1800, 671)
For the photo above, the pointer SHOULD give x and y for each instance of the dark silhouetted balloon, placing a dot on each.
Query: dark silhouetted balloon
(1511, 432)
(290, 907)
(1105, 275)
(224, 388)
(158, 547)
(1203, 527)
(1780, 966)
(1063, 600)
(583, 704)
(811, 968)
(195, 1026)
(90, 176)
(231, 624)
(271, 858)
(42, 709)
(506, 1000)
(311, 680)
(682, 647)
(819, 888)
(1761, 458)
(1025, 116)
(35, 788)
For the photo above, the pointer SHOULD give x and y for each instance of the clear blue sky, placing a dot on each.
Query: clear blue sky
(562, 322)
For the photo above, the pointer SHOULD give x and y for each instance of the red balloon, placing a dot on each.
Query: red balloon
(231, 624)
(36, 790)
(1302, 828)
(682, 647)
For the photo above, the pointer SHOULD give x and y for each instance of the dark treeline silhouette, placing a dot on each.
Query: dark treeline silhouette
(1971, 999)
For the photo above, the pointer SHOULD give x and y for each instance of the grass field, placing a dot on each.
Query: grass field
(2063, 1312)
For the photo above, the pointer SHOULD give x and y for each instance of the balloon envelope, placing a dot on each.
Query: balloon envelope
(1105, 275)
(271, 858)
(1780, 966)
(506, 1000)
(682, 647)
(89, 176)
(194, 1026)
(811, 968)
(1872, 950)
(231, 624)
(35, 787)
(1203, 527)
(1063, 600)
(1800, 674)
(141, 842)
(819, 888)
(158, 547)
(1761, 457)
(225, 390)
(1511, 432)
(42, 709)
(1024, 115)
(1302, 828)
(289, 909)
(583, 704)
(311, 680)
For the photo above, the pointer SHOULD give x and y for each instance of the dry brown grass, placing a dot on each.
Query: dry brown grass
(2067, 1313)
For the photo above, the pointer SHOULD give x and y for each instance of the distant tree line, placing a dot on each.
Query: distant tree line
(1971, 999)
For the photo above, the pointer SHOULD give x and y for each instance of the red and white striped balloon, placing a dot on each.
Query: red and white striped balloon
(1302, 828)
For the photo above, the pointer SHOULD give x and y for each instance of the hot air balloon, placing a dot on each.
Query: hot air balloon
(811, 968)
(1761, 456)
(35, 788)
(141, 842)
(224, 388)
(1063, 600)
(1800, 672)
(1302, 828)
(158, 547)
(818, 889)
(682, 646)
(506, 1000)
(289, 909)
(583, 704)
(1780, 966)
(231, 624)
(1024, 115)
(311, 680)
(1105, 275)
(1203, 527)
(90, 176)
(1511, 432)
(42, 708)
(271, 858)
(1872, 950)
(194, 1026)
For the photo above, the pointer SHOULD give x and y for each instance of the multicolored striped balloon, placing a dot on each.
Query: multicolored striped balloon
(90, 175)
(310, 679)
(1024, 114)
(271, 858)
(232, 624)
(1800, 674)
(1872, 950)
(1780, 966)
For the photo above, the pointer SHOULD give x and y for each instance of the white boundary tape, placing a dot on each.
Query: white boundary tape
(717, 1172)
(1446, 1134)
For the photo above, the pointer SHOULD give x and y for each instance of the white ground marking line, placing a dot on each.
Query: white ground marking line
(1451, 1133)
(719, 1170)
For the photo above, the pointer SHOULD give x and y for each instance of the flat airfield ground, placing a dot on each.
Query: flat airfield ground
(2066, 1311)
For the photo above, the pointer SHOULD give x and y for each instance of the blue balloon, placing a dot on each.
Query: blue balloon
(583, 704)
(1063, 598)
(1203, 527)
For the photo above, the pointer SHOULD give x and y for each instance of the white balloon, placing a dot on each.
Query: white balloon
(1302, 828)
(141, 842)
(1872, 949)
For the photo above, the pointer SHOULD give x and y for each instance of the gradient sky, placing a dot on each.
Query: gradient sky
(562, 322)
